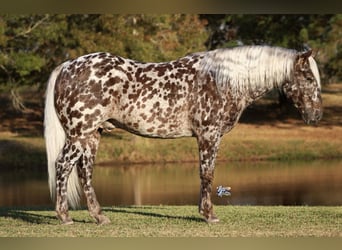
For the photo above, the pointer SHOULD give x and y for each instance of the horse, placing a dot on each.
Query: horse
(200, 95)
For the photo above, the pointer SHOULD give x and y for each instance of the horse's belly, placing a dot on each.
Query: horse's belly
(154, 124)
(167, 130)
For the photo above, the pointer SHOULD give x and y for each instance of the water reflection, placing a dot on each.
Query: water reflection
(263, 183)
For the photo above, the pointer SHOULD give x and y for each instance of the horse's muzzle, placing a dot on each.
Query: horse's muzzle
(313, 117)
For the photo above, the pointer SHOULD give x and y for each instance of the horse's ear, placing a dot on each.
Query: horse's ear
(305, 54)
(302, 58)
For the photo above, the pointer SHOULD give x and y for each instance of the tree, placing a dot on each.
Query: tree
(32, 45)
(25, 44)
(330, 47)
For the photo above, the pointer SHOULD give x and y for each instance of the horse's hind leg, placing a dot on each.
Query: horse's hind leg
(85, 173)
(67, 160)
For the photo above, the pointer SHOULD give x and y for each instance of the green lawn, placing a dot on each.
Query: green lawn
(178, 221)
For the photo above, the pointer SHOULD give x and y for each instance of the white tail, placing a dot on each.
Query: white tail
(54, 140)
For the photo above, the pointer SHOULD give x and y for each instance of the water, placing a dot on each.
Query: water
(261, 183)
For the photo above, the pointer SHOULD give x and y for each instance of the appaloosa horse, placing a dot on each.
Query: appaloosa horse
(200, 95)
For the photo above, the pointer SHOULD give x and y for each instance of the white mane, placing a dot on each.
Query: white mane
(249, 67)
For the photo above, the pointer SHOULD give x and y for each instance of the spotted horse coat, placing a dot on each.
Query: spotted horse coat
(200, 95)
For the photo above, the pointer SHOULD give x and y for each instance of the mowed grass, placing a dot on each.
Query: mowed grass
(178, 221)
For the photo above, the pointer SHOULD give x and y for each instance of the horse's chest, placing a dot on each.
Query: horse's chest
(232, 111)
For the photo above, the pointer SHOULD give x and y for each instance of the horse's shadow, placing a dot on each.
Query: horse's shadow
(133, 210)
(27, 215)
(36, 215)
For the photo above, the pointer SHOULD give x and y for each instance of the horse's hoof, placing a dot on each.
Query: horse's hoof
(212, 219)
(65, 219)
(103, 220)
(68, 222)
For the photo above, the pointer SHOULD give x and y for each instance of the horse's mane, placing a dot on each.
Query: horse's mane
(249, 67)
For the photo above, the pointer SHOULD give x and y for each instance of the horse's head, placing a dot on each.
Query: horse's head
(305, 89)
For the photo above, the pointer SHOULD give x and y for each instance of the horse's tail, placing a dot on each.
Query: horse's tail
(54, 140)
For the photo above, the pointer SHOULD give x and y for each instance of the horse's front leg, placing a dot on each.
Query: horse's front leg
(207, 151)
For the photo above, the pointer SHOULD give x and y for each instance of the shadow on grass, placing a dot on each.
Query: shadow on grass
(129, 210)
(33, 215)
(27, 215)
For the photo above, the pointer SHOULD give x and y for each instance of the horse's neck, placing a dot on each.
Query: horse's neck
(236, 102)
(247, 96)
(257, 93)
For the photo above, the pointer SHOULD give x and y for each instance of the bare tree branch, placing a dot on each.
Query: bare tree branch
(33, 26)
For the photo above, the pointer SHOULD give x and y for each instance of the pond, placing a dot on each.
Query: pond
(310, 183)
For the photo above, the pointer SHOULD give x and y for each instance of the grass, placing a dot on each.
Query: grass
(178, 221)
